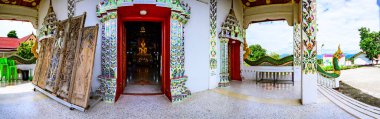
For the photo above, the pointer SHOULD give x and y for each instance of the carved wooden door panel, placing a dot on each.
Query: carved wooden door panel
(56, 53)
(83, 67)
(46, 61)
(66, 63)
(39, 62)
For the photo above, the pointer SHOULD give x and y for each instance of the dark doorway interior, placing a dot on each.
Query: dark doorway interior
(143, 57)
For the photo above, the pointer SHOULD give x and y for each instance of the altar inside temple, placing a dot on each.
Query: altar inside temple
(143, 58)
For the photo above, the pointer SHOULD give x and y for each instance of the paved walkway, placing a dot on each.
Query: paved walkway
(206, 104)
(367, 79)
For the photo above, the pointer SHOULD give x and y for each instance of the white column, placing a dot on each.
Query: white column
(309, 52)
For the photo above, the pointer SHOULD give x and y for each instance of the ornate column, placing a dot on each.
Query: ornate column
(178, 79)
(224, 74)
(177, 59)
(297, 51)
(309, 52)
(213, 60)
(230, 30)
(108, 23)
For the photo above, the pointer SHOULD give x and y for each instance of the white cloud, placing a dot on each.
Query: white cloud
(22, 28)
(338, 23)
(274, 36)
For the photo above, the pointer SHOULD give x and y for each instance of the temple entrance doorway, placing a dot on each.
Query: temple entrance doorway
(130, 18)
(234, 60)
(143, 51)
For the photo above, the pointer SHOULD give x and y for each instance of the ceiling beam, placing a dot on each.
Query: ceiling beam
(270, 13)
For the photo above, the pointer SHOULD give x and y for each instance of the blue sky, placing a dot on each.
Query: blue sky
(22, 28)
(338, 23)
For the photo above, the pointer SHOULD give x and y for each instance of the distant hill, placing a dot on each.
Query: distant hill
(284, 55)
(349, 55)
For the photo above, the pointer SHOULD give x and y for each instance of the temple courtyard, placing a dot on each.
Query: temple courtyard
(366, 79)
(240, 100)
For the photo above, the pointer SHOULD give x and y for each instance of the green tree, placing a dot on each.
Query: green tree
(274, 55)
(256, 52)
(370, 42)
(12, 34)
(24, 50)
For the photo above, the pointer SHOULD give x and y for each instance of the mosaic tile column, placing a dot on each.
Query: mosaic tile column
(109, 47)
(177, 60)
(213, 60)
(224, 74)
(309, 52)
(108, 57)
(103, 52)
(107, 88)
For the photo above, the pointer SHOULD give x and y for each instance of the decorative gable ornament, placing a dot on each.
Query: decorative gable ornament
(49, 24)
(231, 28)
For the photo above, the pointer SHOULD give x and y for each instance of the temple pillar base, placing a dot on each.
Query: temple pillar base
(178, 89)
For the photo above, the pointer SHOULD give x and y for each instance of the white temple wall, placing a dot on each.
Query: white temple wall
(197, 47)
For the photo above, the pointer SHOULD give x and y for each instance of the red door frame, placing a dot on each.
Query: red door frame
(235, 59)
(154, 14)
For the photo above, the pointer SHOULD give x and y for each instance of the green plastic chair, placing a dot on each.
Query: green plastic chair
(11, 62)
(12, 70)
(3, 69)
(31, 75)
(13, 75)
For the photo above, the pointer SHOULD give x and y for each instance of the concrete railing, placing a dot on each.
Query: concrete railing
(328, 82)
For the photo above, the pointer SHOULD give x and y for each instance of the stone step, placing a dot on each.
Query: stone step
(350, 108)
(353, 105)
(356, 102)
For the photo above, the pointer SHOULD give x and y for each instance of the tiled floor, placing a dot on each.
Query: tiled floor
(206, 104)
(266, 90)
(4, 83)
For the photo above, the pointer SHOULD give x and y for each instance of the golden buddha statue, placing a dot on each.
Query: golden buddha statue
(142, 49)
(143, 56)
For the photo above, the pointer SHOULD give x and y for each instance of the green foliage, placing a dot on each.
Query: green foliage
(12, 34)
(369, 42)
(320, 61)
(24, 50)
(256, 52)
(274, 55)
(330, 68)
